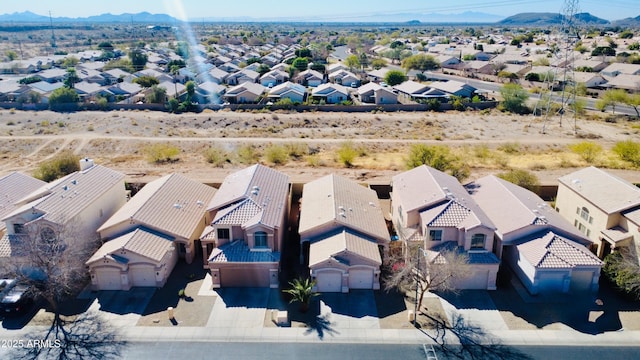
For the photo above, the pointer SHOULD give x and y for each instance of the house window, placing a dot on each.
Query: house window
(435, 235)
(223, 233)
(477, 241)
(260, 239)
(584, 213)
(18, 228)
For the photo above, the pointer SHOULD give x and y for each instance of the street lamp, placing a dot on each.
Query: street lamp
(417, 269)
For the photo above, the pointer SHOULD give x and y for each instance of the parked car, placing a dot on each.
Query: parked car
(5, 286)
(16, 301)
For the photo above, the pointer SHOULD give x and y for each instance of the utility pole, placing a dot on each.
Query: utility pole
(569, 35)
(53, 35)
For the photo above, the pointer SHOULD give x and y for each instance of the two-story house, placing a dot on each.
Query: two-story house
(144, 239)
(433, 211)
(602, 206)
(243, 243)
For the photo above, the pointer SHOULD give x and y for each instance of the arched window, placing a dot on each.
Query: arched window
(47, 235)
(477, 241)
(260, 239)
(584, 213)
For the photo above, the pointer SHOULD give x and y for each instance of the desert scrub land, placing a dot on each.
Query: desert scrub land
(364, 146)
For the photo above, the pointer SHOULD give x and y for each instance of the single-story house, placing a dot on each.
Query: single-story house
(288, 90)
(242, 76)
(331, 93)
(373, 93)
(273, 78)
(243, 243)
(343, 234)
(344, 78)
(247, 92)
(309, 78)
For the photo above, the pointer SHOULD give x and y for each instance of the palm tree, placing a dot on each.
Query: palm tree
(302, 291)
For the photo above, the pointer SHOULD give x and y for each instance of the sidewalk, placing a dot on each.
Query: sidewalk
(341, 318)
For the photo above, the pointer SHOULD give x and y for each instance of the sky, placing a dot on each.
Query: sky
(321, 10)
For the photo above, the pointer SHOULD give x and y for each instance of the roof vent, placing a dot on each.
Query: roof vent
(74, 182)
(341, 208)
(177, 206)
(254, 192)
(372, 204)
(200, 203)
(343, 214)
(65, 188)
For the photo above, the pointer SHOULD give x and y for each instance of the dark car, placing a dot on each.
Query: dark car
(16, 301)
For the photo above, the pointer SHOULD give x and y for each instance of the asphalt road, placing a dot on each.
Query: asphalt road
(332, 351)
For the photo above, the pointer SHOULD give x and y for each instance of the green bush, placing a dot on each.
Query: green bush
(347, 153)
(276, 154)
(216, 156)
(628, 151)
(522, 178)
(587, 150)
(61, 165)
(247, 154)
(160, 153)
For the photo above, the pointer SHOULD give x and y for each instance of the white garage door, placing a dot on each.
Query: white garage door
(360, 279)
(329, 281)
(551, 281)
(476, 281)
(142, 275)
(108, 279)
(581, 280)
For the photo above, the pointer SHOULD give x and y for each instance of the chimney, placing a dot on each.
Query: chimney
(86, 164)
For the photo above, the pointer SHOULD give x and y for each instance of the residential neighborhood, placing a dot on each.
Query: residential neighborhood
(439, 190)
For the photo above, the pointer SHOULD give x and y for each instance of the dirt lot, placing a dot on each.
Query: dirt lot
(117, 139)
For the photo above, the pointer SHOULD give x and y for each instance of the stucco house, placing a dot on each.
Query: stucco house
(273, 78)
(288, 90)
(14, 187)
(144, 239)
(603, 207)
(545, 252)
(433, 211)
(344, 78)
(330, 93)
(309, 78)
(244, 93)
(373, 93)
(242, 76)
(243, 243)
(73, 206)
(343, 234)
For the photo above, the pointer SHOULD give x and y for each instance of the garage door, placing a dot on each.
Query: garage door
(142, 275)
(581, 280)
(476, 281)
(108, 279)
(329, 281)
(360, 279)
(242, 277)
(551, 281)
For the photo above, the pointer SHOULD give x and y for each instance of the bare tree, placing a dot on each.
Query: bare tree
(50, 259)
(623, 268)
(426, 270)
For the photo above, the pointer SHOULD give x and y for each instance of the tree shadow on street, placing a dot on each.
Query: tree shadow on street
(87, 337)
(463, 340)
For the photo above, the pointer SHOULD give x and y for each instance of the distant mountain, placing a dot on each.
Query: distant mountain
(546, 19)
(144, 17)
(464, 17)
(628, 22)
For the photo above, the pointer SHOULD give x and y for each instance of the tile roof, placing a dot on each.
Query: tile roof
(239, 214)
(450, 214)
(239, 252)
(266, 188)
(424, 187)
(143, 242)
(548, 250)
(594, 185)
(67, 197)
(172, 204)
(342, 202)
(513, 208)
(14, 187)
(343, 245)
